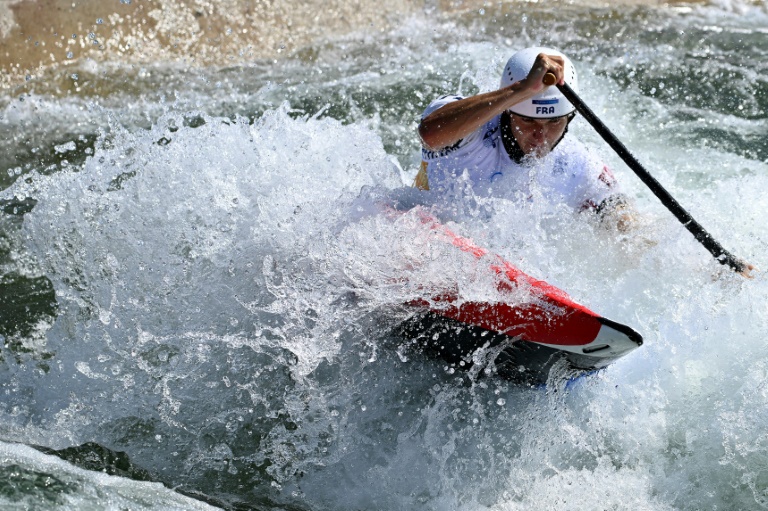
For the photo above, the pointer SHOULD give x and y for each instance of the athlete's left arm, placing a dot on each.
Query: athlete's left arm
(616, 212)
(601, 194)
(613, 208)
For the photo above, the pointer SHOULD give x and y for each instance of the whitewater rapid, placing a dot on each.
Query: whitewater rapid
(211, 286)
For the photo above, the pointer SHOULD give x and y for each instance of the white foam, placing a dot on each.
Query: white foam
(33, 479)
(228, 288)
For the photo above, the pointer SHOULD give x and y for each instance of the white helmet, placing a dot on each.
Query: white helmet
(551, 102)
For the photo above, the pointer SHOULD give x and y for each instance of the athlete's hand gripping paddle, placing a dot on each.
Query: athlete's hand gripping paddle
(706, 239)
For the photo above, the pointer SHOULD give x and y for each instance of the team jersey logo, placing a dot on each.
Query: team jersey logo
(489, 140)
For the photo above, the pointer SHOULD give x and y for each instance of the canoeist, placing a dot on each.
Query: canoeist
(512, 141)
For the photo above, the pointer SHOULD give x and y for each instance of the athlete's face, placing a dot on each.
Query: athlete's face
(537, 137)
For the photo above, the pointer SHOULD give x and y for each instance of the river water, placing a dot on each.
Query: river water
(197, 289)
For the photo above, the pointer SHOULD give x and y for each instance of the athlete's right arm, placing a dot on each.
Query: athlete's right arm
(454, 121)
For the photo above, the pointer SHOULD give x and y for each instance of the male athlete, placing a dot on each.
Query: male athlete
(511, 142)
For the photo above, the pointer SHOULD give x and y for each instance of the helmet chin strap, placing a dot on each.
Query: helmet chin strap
(510, 143)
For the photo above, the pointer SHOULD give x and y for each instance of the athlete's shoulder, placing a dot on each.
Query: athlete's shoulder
(440, 102)
(571, 147)
(583, 162)
(572, 154)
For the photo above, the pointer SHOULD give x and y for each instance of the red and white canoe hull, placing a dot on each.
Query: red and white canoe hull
(534, 335)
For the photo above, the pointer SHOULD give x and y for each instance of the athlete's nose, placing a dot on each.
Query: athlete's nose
(538, 133)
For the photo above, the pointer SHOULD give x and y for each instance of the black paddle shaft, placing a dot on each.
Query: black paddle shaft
(706, 239)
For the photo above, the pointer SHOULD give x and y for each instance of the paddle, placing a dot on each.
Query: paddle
(706, 239)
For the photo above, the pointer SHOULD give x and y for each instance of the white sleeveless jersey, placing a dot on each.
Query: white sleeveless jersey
(479, 164)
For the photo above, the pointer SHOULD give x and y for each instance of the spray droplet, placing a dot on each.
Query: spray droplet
(70, 54)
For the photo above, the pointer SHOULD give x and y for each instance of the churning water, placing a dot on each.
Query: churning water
(198, 289)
